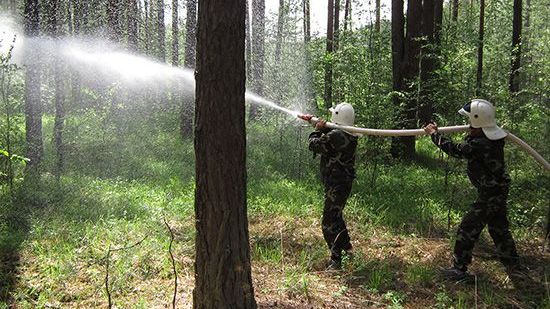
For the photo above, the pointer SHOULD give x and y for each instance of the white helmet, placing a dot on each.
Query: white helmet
(343, 114)
(482, 115)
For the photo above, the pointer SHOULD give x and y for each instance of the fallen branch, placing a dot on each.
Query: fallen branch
(173, 263)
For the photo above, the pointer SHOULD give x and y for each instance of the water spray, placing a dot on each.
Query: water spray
(419, 132)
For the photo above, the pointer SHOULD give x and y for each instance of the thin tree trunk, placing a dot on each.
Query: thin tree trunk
(377, 21)
(113, 20)
(425, 109)
(222, 254)
(161, 28)
(175, 34)
(132, 25)
(516, 48)
(479, 76)
(347, 16)
(330, 45)
(336, 24)
(33, 104)
(307, 21)
(455, 10)
(258, 52)
(248, 58)
(280, 24)
(146, 26)
(190, 33)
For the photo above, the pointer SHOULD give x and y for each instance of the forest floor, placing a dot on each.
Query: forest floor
(101, 231)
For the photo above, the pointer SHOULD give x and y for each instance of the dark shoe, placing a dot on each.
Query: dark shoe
(456, 274)
(334, 265)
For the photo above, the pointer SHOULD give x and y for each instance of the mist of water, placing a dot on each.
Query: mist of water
(100, 61)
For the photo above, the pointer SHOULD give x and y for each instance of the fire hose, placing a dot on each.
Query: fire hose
(418, 132)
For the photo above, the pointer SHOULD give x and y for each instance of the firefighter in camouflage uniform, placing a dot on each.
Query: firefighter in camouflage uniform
(337, 150)
(484, 150)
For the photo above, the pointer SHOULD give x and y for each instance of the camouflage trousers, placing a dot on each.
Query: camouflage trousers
(489, 209)
(334, 227)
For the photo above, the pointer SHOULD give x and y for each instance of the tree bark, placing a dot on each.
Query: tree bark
(280, 24)
(222, 265)
(307, 21)
(33, 104)
(113, 20)
(438, 21)
(479, 76)
(377, 21)
(336, 24)
(330, 45)
(516, 48)
(258, 52)
(427, 75)
(248, 58)
(161, 31)
(132, 25)
(347, 16)
(455, 10)
(190, 33)
(175, 34)
(147, 25)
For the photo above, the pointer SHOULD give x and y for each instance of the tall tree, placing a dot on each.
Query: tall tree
(455, 10)
(427, 74)
(53, 29)
(113, 21)
(516, 48)
(33, 104)
(161, 31)
(258, 51)
(438, 21)
(248, 44)
(190, 33)
(222, 265)
(279, 40)
(479, 76)
(307, 21)
(336, 24)
(330, 45)
(132, 8)
(175, 34)
(377, 20)
(147, 12)
(186, 113)
(347, 15)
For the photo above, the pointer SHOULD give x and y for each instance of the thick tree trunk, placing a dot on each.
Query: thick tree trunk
(330, 45)
(516, 48)
(258, 52)
(132, 25)
(161, 31)
(190, 33)
(175, 34)
(222, 265)
(33, 104)
(438, 21)
(479, 76)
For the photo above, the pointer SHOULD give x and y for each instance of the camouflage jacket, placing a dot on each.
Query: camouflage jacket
(485, 157)
(337, 150)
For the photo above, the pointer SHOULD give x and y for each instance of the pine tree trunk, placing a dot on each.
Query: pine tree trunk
(336, 24)
(307, 21)
(248, 58)
(175, 34)
(33, 104)
(347, 16)
(455, 10)
(516, 48)
(147, 26)
(427, 73)
(161, 31)
(190, 33)
(132, 25)
(113, 21)
(222, 264)
(438, 21)
(279, 40)
(258, 52)
(479, 76)
(330, 45)
(377, 21)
